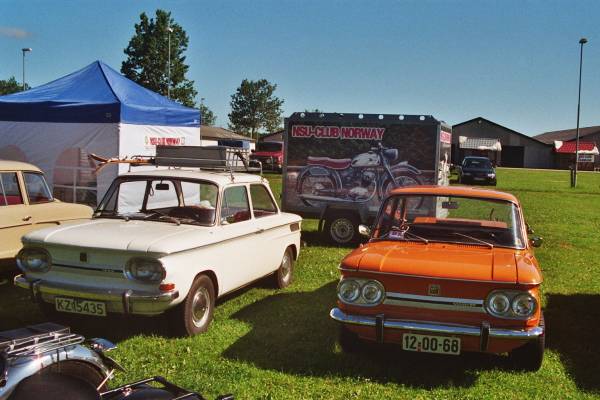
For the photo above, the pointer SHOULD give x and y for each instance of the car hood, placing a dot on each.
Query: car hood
(445, 261)
(117, 234)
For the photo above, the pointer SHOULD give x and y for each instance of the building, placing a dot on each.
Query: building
(504, 146)
(272, 137)
(564, 143)
(217, 136)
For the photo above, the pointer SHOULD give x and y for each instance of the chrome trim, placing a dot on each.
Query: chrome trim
(342, 269)
(434, 302)
(435, 327)
(138, 302)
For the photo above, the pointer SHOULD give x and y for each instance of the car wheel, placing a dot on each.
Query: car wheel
(349, 341)
(529, 357)
(342, 228)
(195, 313)
(284, 275)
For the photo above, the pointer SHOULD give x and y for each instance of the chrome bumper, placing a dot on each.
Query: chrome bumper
(435, 328)
(117, 300)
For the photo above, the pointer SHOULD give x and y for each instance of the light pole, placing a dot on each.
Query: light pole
(582, 41)
(24, 50)
(169, 63)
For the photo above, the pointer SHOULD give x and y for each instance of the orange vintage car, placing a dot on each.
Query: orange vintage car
(446, 270)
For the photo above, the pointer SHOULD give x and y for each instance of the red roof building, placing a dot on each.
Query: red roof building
(569, 147)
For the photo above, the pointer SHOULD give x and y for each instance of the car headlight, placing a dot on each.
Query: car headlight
(34, 260)
(512, 304)
(491, 175)
(145, 269)
(365, 292)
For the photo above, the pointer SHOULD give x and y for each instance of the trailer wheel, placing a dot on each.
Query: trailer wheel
(342, 228)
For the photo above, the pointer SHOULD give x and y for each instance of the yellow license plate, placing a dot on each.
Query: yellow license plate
(80, 306)
(431, 344)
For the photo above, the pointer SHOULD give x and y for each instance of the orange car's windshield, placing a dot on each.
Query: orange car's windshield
(465, 220)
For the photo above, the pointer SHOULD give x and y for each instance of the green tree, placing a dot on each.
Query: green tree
(10, 85)
(147, 60)
(208, 117)
(255, 108)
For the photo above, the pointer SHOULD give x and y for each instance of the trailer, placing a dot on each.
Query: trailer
(339, 167)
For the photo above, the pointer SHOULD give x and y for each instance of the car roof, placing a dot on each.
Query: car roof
(459, 191)
(219, 177)
(9, 165)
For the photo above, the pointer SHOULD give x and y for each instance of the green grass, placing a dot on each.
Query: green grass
(280, 344)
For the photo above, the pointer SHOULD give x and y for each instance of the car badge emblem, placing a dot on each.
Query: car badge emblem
(434, 290)
(83, 257)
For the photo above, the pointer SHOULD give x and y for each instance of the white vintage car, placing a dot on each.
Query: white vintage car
(163, 241)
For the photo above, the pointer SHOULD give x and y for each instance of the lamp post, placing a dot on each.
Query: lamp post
(582, 41)
(170, 30)
(24, 50)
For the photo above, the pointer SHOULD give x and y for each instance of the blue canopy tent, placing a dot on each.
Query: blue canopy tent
(94, 110)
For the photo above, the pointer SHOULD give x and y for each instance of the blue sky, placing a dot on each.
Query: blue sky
(513, 62)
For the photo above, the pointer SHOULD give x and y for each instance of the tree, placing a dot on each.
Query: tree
(254, 108)
(208, 117)
(147, 60)
(10, 85)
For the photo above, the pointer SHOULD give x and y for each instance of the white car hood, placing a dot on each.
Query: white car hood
(118, 234)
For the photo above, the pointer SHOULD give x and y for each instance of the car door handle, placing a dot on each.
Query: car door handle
(259, 231)
(27, 218)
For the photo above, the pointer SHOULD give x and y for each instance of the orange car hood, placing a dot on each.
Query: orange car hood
(449, 261)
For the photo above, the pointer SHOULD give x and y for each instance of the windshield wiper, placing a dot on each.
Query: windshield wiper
(483, 242)
(426, 241)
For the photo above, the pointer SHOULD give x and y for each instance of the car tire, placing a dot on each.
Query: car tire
(341, 229)
(529, 357)
(193, 315)
(284, 275)
(349, 341)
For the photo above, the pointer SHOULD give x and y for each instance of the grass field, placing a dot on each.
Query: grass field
(268, 344)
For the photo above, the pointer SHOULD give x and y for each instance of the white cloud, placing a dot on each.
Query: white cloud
(14, 32)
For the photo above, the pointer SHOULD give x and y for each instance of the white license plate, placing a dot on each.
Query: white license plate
(431, 344)
(479, 178)
(79, 306)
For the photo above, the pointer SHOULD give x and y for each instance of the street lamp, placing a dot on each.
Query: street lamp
(170, 30)
(24, 50)
(582, 41)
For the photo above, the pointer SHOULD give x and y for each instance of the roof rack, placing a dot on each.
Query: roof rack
(219, 158)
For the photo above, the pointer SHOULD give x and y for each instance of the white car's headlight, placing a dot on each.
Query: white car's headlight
(512, 304)
(365, 292)
(34, 259)
(145, 269)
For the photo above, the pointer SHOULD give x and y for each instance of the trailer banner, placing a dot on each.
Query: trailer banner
(336, 132)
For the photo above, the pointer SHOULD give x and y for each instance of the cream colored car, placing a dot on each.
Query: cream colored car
(26, 204)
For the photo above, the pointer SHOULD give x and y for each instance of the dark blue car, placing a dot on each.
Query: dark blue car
(477, 170)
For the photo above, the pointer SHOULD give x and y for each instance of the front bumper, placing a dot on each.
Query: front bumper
(117, 300)
(483, 332)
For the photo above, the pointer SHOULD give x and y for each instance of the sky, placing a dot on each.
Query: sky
(513, 62)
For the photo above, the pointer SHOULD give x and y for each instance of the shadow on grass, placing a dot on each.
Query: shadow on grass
(573, 326)
(292, 333)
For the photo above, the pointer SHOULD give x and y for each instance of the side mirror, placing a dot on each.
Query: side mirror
(364, 230)
(536, 241)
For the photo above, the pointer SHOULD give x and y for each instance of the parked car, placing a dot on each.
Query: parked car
(26, 204)
(164, 241)
(463, 278)
(270, 154)
(477, 170)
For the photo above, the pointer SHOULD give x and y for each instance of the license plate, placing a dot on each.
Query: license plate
(477, 178)
(431, 344)
(79, 306)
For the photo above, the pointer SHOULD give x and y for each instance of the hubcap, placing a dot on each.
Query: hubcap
(342, 230)
(286, 267)
(200, 307)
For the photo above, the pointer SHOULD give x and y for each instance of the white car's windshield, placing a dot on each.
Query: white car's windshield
(168, 199)
(475, 221)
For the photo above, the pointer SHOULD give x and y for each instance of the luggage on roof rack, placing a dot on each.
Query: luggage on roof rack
(223, 158)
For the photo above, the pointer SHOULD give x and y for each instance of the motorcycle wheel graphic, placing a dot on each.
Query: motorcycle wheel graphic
(318, 181)
(404, 178)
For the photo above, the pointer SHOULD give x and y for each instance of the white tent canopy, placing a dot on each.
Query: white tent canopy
(94, 110)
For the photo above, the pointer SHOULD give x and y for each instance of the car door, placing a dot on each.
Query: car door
(15, 219)
(43, 209)
(238, 250)
(271, 235)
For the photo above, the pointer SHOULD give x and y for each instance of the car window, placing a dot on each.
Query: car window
(37, 189)
(262, 203)
(199, 194)
(235, 206)
(10, 193)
